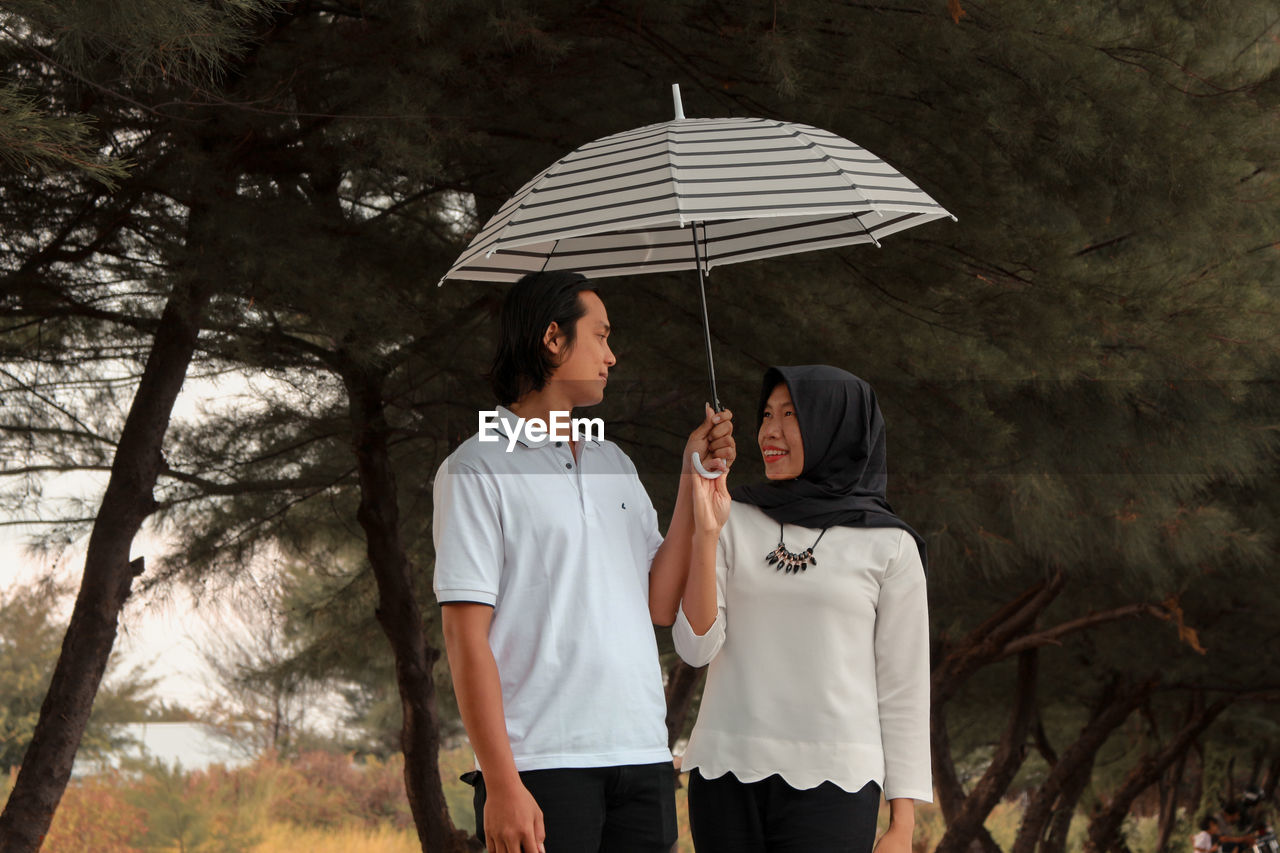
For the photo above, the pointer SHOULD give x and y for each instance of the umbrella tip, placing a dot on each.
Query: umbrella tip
(675, 96)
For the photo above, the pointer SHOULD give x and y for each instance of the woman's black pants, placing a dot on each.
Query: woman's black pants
(769, 816)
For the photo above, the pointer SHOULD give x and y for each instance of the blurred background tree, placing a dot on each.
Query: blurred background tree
(30, 639)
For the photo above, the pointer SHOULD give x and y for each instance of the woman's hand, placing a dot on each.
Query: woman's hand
(712, 440)
(896, 839)
(902, 822)
(711, 500)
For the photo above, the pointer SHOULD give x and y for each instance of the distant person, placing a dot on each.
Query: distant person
(1206, 840)
(550, 571)
(808, 601)
(1233, 837)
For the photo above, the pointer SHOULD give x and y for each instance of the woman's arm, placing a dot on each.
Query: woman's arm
(902, 824)
(902, 675)
(710, 512)
(699, 630)
(713, 440)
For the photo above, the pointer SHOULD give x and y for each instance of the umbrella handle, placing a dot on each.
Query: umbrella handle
(697, 466)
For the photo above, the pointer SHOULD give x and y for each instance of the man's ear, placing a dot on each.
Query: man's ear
(553, 339)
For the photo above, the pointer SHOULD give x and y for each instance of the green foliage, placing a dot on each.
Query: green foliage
(104, 45)
(175, 819)
(30, 640)
(33, 140)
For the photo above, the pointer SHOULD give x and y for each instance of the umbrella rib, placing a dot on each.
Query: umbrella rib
(551, 254)
(839, 171)
(671, 173)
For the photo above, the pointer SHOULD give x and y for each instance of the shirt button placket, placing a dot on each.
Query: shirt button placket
(582, 482)
(574, 475)
(575, 471)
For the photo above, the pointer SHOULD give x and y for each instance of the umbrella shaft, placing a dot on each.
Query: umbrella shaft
(706, 324)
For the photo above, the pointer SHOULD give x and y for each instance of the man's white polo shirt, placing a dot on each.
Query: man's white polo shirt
(561, 548)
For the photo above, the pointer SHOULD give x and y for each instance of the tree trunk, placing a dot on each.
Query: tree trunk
(1041, 739)
(1271, 780)
(1259, 755)
(1104, 828)
(108, 574)
(945, 780)
(1169, 804)
(1070, 774)
(1197, 782)
(1231, 779)
(682, 683)
(399, 613)
(954, 663)
(1073, 788)
(963, 827)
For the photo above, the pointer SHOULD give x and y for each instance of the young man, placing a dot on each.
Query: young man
(551, 571)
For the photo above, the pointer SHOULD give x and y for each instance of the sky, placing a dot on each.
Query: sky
(163, 633)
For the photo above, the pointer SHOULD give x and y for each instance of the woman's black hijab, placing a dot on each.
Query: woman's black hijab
(845, 472)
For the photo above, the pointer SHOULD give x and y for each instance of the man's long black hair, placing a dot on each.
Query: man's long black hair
(523, 363)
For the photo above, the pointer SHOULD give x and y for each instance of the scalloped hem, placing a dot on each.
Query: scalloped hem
(799, 780)
(801, 764)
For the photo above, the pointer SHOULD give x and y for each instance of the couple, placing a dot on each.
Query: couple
(551, 571)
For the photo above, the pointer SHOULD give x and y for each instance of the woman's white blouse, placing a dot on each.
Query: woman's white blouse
(817, 676)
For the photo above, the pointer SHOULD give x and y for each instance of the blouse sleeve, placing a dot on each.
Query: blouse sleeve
(700, 650)
(902, 675)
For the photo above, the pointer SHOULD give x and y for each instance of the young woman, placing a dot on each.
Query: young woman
(808, 601)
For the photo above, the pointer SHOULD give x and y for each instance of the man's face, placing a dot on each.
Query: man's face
(584, 366)
(779, 436)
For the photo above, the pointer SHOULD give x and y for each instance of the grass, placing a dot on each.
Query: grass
(290, 838)
(325, 803)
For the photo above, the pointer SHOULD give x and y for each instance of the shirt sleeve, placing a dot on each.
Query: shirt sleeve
(467, 530)
(902, 675)
(1203, 841)
(698, 650)
(648, 515)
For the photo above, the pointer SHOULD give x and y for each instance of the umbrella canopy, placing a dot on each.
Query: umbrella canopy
(695, 194)
(754, 188)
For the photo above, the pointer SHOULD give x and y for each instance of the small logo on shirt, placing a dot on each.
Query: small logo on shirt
(624, 504)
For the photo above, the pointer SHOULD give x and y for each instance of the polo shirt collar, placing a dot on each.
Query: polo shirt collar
(509, 421)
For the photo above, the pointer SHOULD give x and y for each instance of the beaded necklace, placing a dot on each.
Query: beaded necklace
(780, 558)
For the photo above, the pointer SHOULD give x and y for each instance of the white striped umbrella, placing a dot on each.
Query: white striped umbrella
(695, 194)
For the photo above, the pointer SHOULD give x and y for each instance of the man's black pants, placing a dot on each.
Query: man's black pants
(627, 809)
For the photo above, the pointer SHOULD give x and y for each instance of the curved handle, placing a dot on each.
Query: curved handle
(697, 466)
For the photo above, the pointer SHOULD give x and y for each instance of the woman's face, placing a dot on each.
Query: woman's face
(779, 436)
